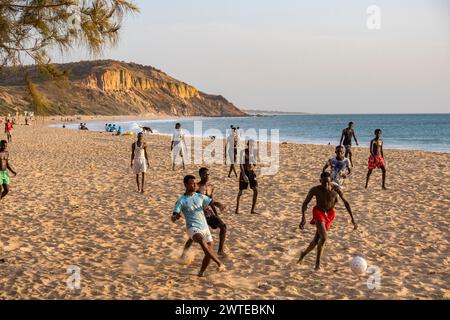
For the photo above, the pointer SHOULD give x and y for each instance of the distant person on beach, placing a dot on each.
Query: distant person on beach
(4, 167)
(191, 204)
(177, 145)
(8, 130)
(139, 160)
(106, 127)
(119, 131)
(323, 214)
(247, 176)
(340, 167)
(346, 140)
(376, 159)
(206, 188)
(231, 151)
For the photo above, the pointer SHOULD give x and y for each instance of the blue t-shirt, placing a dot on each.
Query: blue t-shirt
(192, 209)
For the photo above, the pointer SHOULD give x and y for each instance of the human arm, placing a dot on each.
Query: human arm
(342, 137)
(371, 147)
(354, 137)
(10, 168)
(146, 156)
(133, 146)
(305, 207)
(327, 164)
(176, 213)
(347, 206)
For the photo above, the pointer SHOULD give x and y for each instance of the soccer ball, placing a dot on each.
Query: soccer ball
(358, 265)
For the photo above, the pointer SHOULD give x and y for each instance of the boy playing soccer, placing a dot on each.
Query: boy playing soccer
(323, 214)
(191, 205)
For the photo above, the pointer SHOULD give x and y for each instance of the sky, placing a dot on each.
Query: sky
(300, 56)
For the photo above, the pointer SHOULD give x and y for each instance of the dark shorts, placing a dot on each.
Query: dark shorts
(214, 221)
(251, 180)
(348, 148)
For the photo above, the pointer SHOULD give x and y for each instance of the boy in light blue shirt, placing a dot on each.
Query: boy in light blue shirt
(191, 205)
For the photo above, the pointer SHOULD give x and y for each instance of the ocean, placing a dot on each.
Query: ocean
(428, 132)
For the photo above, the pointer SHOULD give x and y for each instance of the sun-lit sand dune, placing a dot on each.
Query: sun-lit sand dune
(74, 202)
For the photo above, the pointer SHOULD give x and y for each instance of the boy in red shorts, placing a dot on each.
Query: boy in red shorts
(376, 159)
(323, 214)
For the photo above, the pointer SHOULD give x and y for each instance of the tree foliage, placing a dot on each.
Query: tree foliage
(30, 28)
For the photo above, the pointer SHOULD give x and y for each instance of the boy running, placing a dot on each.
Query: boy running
(340, 167)
(346, 137)
(8, 130)
(248, 176)
(323, 214)
(191, 205)
(376, 159)
(206, 188)
(4, 167)
(178, 145)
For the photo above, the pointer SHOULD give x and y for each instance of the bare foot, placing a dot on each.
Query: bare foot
(317, 268)
(221, 268)
(236, 212)
(384, 188)
(201, 274)
(142, 191)
(222, 254)
(254, 212)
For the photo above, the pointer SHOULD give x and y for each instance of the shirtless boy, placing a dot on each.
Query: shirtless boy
(323, 214)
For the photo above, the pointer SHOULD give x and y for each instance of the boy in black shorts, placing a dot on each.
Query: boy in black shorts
(248, 176)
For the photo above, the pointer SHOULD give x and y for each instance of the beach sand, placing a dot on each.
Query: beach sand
(74, 202)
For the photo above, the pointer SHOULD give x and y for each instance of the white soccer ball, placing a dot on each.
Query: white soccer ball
(358, 265)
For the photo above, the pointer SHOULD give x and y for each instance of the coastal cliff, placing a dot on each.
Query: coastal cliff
(108, 87)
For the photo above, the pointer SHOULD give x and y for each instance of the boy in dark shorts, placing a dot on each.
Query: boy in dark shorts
(323, 214)
(4, 167)
(191, 205)
(376, 159)
(346, 140)
(248, 176)
(212, 218)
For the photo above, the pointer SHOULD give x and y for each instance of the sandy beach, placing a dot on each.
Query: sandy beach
(74, 202)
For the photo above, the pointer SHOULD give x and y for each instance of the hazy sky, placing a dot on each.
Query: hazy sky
(291, 55)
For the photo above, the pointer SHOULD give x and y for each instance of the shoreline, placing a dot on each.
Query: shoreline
(90, 119)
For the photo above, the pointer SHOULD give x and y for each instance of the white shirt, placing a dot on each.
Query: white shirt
(178, 136)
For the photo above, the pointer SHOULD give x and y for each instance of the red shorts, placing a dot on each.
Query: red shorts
(327, 218)
(375, 162)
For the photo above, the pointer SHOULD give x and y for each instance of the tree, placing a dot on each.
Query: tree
(29, 28)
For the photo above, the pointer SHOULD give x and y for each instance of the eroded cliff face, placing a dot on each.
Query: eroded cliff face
(123, 80)
(111, 87)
